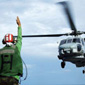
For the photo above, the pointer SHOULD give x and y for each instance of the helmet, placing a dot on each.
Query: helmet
(8, 38)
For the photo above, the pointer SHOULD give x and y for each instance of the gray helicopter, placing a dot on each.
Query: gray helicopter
(70, 49)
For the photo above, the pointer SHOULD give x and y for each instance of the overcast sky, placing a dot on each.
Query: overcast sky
(40, 54)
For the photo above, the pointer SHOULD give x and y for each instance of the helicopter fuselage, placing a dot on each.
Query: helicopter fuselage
(72, 50)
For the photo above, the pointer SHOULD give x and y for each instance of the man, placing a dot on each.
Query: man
(11, 67)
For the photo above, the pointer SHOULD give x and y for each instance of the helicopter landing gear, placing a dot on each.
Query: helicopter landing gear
(63, 64)
(84, 70)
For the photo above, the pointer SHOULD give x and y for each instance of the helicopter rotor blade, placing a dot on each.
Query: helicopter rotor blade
(47, 35)
(81, 32)
(68, 14)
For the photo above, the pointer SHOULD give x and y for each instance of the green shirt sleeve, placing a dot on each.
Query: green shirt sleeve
(19, 39)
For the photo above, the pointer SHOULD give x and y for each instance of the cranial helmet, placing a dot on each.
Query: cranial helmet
(8, 38)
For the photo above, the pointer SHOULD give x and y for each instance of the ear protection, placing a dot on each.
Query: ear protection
(3, 42)
(14, 40)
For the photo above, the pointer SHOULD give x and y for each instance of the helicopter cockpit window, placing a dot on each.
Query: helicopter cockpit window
(76, 40)
(63, 42)
(69, 41)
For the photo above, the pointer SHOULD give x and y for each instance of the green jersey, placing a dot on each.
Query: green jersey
(10, 59)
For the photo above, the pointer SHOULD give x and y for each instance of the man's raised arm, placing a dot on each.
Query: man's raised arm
(19, 38)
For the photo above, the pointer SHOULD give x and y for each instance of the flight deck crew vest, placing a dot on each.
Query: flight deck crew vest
(10, 61)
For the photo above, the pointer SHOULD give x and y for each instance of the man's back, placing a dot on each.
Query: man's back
(11, 62)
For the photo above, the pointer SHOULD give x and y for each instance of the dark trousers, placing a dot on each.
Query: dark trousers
(8, 81)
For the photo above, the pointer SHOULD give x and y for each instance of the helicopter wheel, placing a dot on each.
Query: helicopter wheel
(83, 71)
(63, 64)
(84, 54)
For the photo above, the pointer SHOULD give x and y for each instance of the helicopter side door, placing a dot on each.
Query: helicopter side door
(83, 46)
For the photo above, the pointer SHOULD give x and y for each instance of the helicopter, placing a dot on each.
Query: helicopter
(70, 49)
